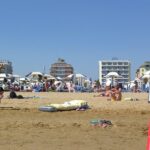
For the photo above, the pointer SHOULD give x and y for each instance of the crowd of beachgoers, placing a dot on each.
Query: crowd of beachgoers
(112, 92)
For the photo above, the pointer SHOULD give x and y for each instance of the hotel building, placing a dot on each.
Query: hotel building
(122, 67)
(61, 69)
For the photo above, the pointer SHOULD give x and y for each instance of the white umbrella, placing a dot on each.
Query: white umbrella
(113, 75)
(78, 75)
(15, 83)
(16, 76)
(22, 79)
(146, 76)
(36, 73)
(70, 76)
(147, 73)
(49, 77)
(58, 78)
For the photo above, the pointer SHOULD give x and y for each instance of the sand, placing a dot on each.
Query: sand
(24, 127)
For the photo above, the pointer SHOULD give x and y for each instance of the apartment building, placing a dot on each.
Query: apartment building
(122, 67)
(142, 69)
(61, 69)
(6, 67)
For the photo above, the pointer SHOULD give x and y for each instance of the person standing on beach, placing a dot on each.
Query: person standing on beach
(1, 93)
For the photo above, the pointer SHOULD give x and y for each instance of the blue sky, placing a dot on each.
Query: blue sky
(35, 33)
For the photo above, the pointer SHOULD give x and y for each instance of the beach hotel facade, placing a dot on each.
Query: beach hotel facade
(61, 69)
(122, 67)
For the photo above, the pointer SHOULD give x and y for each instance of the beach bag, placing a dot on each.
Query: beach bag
(20, 97)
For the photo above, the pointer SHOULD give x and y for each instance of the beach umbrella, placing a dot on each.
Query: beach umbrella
(59, 78)
(36, 73)
(113, 75)
(146, 76)
(49, 77)
(147, 73)
(70, 76)
(78, 75)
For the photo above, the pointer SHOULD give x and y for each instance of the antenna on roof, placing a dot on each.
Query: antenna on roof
(44, 70)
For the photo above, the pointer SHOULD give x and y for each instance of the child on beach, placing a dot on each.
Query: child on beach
(1, 93)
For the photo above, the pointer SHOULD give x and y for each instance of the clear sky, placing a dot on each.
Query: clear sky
(35, 33)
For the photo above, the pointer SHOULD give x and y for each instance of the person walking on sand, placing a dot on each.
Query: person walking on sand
(1, 93)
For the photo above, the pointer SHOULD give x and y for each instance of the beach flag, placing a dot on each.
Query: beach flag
(148, 138)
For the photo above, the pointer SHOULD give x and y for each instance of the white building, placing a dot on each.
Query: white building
(122, 67)
(6, 67)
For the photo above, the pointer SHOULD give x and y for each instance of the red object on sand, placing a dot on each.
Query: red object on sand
(148, 138)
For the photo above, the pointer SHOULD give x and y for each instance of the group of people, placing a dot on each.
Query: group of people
(112, 92)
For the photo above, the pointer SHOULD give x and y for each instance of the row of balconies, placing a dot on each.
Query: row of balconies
(114, 68)
(115, 63)
(120, 81)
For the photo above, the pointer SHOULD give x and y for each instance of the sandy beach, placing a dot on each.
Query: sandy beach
(24, 127)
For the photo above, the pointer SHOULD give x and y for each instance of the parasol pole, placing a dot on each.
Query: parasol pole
(112, 82)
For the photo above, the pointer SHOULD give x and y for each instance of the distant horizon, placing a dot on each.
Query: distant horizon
(46, 72)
